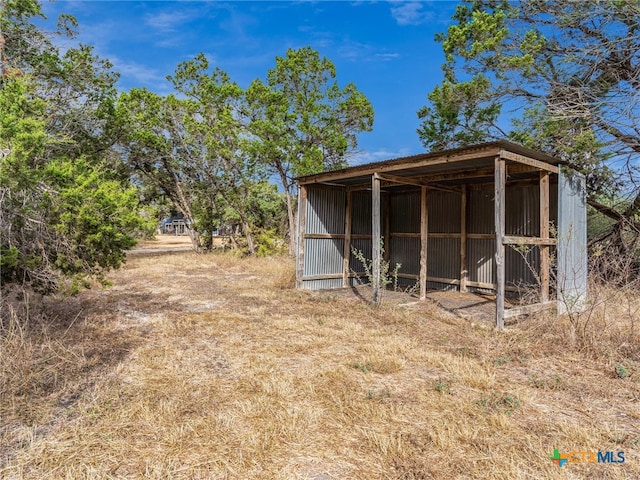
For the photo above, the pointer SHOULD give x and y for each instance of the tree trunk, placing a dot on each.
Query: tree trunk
(293, 230)
(247, 233)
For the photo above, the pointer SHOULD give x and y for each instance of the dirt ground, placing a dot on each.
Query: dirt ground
(212, 366)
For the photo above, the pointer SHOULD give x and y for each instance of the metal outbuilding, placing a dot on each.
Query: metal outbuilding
(488, 218)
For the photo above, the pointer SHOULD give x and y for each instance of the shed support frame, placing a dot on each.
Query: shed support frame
(375, 236)
(331, 223)
(499, 215)
(424, 240)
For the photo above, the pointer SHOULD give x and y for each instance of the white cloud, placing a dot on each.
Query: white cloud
(387, 56)
(365, 157)
(169, 21)
(357, 51)
(142, 74)
(410, 13)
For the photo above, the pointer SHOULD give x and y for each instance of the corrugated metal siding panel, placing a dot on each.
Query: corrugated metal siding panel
(522, 210)
(323, 256)
(355, 281)
(522, 267)
(406, 284)
(325, 211)
(444, 212)
(443, 257)
(363, 245)
(480, 215)
(405, 251)
(480, 260)
(319, 284)
(572, 242)
(361, 213)
(405, 213)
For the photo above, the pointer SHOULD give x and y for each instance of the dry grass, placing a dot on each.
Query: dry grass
(195, 366)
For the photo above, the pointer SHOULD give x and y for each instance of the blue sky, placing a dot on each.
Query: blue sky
(386, 48)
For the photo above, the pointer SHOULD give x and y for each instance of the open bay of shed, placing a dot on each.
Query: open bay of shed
(485, 219)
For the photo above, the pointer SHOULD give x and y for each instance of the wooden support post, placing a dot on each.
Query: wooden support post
(544, 233)
(375, 236)
(347, 241)
(302, 223)
(499, 211)
(424, 227)
(463, 240)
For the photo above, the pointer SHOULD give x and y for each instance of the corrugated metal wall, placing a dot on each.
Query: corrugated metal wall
(522, 218)
(405, 219)
(360, 225)
(326, 215)
(323, 256)
(325, 211)
(572, 242)
(443, 254)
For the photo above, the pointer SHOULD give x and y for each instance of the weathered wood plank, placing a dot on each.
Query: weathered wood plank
(499, 214)
(514, 157)
(463, 240)
(529, 309)
(515, 240)
(544, 234)
(375, 236)
(424, 222)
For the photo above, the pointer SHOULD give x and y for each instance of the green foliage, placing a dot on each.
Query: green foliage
(388, 275)
(210, 148)
(566, 75)
(442, 386)
(499, 403)
(302, 121)
(363, 367)
(547, 61)
(621, 371)
(66, 208)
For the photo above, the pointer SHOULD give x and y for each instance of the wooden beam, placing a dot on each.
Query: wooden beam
(401, 180)
(482, 236)
(514, 157)
(449, 281)
(544, 234)
(463, 240)
(424, 230)
(302, 223)
(325, 236)
(515, 240)
(491, 286)
(409, 275)
(346, 253)
(410, 162)
(466, 174)
(375, 236)
(336, 236)
(325, 276)
(404, 235)
(443, 235)
(529, 309)
(499, 214)
(456, 281)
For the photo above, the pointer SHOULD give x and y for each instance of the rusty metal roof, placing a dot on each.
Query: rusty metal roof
(446, 166)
